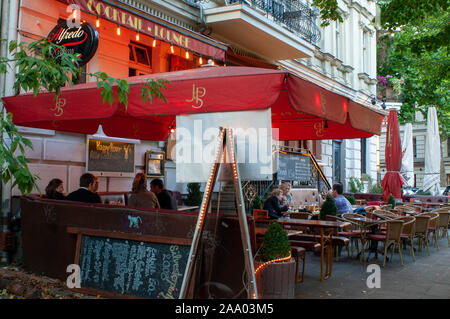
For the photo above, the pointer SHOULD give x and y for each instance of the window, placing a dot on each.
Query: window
(363, 156)
(337, 153)
(365, 53)
(415, 147)
(338, 40)
(140, 59)
(448, 147)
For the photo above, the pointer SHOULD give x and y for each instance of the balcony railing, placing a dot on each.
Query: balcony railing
(297, 17)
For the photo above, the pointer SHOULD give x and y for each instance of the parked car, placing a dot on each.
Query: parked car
(446, 191)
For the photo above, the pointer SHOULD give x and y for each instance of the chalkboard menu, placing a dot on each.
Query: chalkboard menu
(132, 267)
(108, 158)
(294, 167)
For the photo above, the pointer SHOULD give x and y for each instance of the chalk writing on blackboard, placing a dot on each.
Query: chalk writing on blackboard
(108, 156)
(133, 268)
(294, 167)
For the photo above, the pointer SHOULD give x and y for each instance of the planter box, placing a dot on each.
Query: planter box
(277, 280)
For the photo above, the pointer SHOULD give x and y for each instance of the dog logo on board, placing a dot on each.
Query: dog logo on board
(134, 221)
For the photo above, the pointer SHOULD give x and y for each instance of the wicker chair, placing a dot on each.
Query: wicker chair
(393, 235)
(422, 224)
(444, 220)
(433, 226)
(384, 214)
(408, 232)
(387, 206)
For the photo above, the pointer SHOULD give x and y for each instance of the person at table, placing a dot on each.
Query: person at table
(342, 203)
(140, 196)
(87, 192)
(165, 198)
(285, 188)
(273, 206)
(55, 189)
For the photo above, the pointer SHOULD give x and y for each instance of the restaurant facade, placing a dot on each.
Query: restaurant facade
(138, 38)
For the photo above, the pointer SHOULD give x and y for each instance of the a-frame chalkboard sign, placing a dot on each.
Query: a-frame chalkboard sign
(225, 147)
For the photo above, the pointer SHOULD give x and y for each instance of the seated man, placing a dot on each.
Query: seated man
(272, 205)
(342, 203)
(165, 199)
(87, 192)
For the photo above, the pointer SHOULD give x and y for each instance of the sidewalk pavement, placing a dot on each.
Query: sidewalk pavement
(426, 278)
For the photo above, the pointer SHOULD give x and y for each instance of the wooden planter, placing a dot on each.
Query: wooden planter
(277, 280)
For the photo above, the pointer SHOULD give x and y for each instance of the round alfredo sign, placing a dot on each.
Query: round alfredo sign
(82, 40)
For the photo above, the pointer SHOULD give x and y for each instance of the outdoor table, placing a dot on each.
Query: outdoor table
(365, 224)
(327, 229)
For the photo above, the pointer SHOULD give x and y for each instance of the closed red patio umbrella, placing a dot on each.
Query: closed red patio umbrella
(393, 180)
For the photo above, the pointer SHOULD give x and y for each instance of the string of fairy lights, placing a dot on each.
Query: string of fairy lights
(187, 54)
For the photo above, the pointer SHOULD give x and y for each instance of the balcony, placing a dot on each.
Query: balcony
(273, 29)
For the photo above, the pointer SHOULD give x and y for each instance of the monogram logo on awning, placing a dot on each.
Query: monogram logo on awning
(320, 129)
(197, 94)
(59, 105)
(323, 103)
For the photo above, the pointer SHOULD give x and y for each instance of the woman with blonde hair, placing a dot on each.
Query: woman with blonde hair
(272, 205)
(285, 188)
(140, 196)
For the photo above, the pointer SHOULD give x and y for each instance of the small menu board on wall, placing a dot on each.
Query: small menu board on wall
(109, 158)
(117, 264)
(294, 167)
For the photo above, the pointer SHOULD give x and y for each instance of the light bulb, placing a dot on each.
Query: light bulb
(171, 48)
(200, 61)
(118, 30)
(154, 42)
(97, 23)
(187, 54)
(137, 37)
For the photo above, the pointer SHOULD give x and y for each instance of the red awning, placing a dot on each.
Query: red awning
(300, 109)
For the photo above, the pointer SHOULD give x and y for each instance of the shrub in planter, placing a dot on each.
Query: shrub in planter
(351, 199)
(275, 244)
(277, 279)
(328, 207)
(256, 204)
(195, 196)
(391, 200)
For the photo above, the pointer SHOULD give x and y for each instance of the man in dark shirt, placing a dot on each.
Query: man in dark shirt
(165, 199)
(87, 192)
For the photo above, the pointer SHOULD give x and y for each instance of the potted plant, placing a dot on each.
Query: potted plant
(328, 207)
(256, 203)
(391, 200)
(194, 197)
(275, 271)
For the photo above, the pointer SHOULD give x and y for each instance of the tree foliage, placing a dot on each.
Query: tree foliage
(418, 53)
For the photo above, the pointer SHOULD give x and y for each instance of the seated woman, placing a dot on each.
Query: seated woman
(285, 188)
(55, 189)
(140, 196)
(272, 204)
